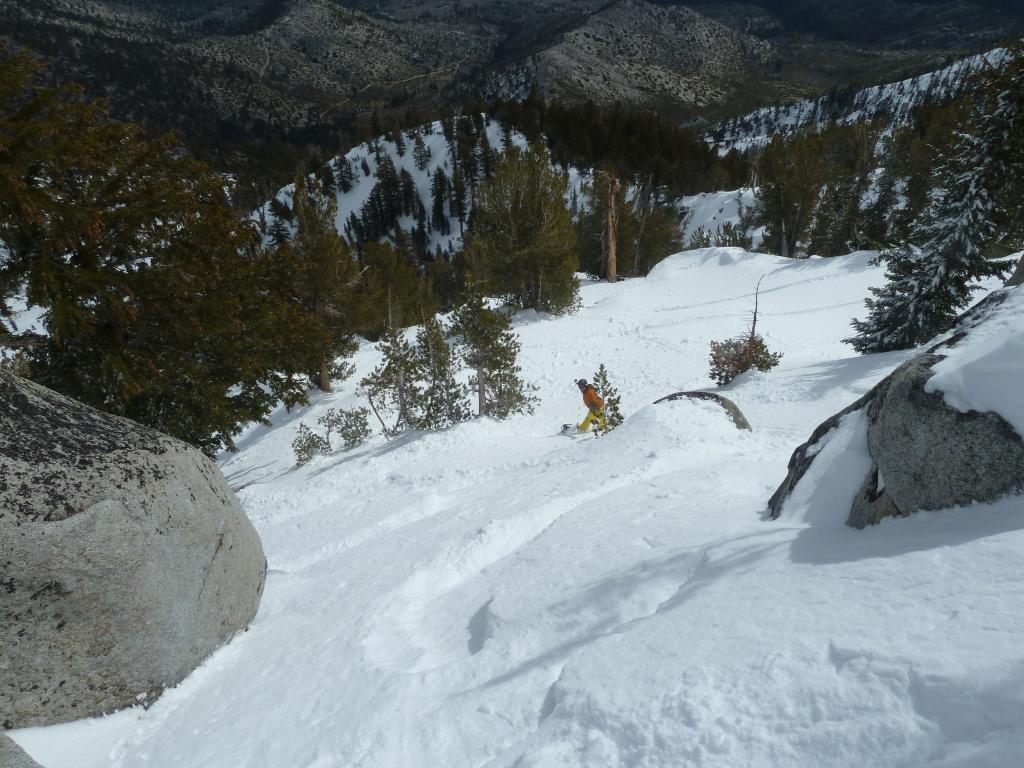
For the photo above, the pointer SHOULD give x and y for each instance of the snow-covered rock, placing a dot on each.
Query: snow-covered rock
(124, 559)
(731, 409)
(943, 430)
(13, 756)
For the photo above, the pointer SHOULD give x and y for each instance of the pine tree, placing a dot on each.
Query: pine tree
(458, 204)
(392, 388)
(739, 354)
(931, 277)
(344, 175)
(325, 279)
(394, 291)
(409, 196)
(281, 217)
(486, 156)
(521, 241)
(439, 187)
(610, 395)
(156, 302)
(443, 399)
(489, 347)
(792, 174)
(420, 153)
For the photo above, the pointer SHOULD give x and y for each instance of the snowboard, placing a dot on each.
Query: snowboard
(569, 430)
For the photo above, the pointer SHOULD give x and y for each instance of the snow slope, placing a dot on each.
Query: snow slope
(894, 102)
(497, 595)
(711, 211)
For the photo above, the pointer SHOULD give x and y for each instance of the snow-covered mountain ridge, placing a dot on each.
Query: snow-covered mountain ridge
(500, 595)
(361, 166)
(894, 102)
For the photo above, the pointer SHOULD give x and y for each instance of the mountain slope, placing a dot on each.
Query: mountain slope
(233, 75)
(895, 103)
(636, 52)
(498, 595)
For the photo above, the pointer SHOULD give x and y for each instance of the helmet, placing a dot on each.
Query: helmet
(581, 383)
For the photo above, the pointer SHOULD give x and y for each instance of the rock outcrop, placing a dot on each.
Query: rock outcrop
(925, 454)
(13, 756)
(731, 409)
(124, 559)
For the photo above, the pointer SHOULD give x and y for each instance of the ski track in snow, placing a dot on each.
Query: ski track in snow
(497, 596)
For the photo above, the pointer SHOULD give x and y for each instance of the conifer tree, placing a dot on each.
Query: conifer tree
(394, 291)
(931, 276)
(439, 191)
(325, 279)
(486, 156)
(792, 174)
(344, 175)
(281, 217)
(409, 196)
(393, 388)
(443, 398)
(490, 349)
(155, 302)
(458, 204)
(521, 241)
(420, 153)
(612, 400)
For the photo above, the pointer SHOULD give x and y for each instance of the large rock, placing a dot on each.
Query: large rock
(925, 455)
(13, 756)
(124, 559)
(731, 409)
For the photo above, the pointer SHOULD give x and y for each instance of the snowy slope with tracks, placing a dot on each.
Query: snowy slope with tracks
(496, 595)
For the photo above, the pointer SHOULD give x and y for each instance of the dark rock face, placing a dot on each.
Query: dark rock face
(13, 756)
(925, 454)
(124, 559)
(731, 409)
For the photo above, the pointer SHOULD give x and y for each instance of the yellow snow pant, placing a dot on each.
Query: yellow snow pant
(593, 416)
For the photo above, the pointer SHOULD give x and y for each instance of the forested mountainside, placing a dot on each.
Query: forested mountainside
(259, 87)
(896, 103)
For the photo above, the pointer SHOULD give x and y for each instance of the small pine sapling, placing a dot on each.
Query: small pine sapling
(701, 238)
(733, 236)
(737, 355)
(308, 444)
(352, 426)
(610, 395)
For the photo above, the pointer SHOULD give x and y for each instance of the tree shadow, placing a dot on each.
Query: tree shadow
(825, 377)
(406, 438)
(694, 569)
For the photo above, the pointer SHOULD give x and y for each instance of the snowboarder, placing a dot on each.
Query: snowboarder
(595, 406)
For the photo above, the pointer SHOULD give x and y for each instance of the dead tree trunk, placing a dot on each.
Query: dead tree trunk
(612, 222)
(325, 373)
(481, 391)
(645, 207)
